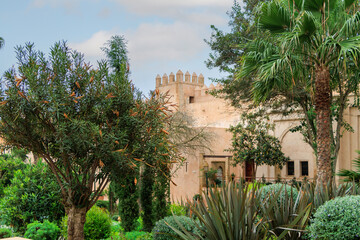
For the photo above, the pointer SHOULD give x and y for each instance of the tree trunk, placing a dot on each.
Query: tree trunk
(323, 136)
(76, 221)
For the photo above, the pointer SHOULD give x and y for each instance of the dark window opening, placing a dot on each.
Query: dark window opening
(291, 168)
(191, 99)
(304, 168)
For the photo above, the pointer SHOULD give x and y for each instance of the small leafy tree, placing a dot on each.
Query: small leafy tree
(76, 117)
(251, 142)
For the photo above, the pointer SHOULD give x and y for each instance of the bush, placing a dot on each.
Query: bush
(162, 231)
(5, 233)
(33, 195)
(271, 190)
(102, 204)
(137, 235)
(115, 217)
(177, 210)
(42, 231)
(97, 226)
(9, 164)
(337, 219)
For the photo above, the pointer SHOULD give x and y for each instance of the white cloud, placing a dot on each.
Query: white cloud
(157, 5)
(104, 13)
(176, 9)
(150, 42)
(91, 47)
(69, 5)
(164, 42)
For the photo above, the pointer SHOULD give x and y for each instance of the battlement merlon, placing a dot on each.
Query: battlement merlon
(179, 78)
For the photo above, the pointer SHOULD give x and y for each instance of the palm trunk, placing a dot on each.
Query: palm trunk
(323, 139)
(76, 221)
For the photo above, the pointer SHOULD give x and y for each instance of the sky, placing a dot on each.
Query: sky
(162, 36)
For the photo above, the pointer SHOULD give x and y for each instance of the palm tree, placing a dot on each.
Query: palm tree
(309, 49)
(2, 42)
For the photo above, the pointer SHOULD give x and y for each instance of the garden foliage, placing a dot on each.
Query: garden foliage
(162, 230)
(269, 191)
(9, 164)
(42, 231)
(5, 233)
(33, 195)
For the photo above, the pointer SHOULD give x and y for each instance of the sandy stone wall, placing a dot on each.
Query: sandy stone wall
(191, 95)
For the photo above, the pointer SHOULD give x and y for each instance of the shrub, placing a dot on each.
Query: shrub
(102, 204)
(162, 231)
(9, 164)
(97, 226)
(33, 195)
(271, 190)
(115, 217)
(5, 233)
(177, 210)
(42, 231)
(337, 219)
(136, 235)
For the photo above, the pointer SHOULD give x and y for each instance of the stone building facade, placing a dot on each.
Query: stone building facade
(191, 96)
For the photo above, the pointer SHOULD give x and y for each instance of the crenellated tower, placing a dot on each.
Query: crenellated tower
(183, 89)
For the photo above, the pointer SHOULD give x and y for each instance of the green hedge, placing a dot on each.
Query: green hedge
(162, 231)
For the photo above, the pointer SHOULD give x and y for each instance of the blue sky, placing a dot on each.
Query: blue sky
(163, 35)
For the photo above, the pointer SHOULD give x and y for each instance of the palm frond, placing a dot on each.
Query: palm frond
(275, 17)
(351, 26)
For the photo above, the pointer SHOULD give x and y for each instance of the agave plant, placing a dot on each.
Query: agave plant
(287, 218)
(227, 213)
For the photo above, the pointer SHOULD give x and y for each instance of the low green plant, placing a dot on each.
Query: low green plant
(116, 227)
(42, 231)
(177, 210)
(102, 204)
(162, 231)
(5, 233)
(226, 213)
(97, 226)
(136, 235)
(115, 217)
(337, 219)
(269, 191)
(283, 216)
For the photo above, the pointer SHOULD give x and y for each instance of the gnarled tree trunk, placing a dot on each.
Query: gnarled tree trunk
(323, 136)
(76, 221)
